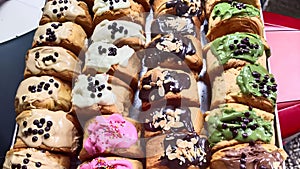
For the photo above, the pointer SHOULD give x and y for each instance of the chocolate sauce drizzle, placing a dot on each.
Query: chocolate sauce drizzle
(168, 116)
(171, 82)
(161, 26)
(184, 8)
(197, 154)
(153, 55)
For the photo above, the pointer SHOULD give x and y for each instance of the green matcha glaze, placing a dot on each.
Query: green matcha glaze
(221, 127)
(220, 47)
(226, 10)
(255, 80)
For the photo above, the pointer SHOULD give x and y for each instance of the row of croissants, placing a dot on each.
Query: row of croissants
(105, 88)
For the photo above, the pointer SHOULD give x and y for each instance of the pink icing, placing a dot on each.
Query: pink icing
(100, 163)
(110, 132)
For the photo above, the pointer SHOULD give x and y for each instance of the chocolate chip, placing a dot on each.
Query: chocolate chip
(38, 164)
(46, 136)
(36, 122)
(24, 167)
(253, 127)
(50, 92)
(243, 155)
(126, 32)
(34, 131)
(109, 88)
(40, 125)
(92, 95)
(224, 126)
(234, 133)
(47, 128)
(49, 123)
(231, 46)
(56, 85)
(29, 130)
(89, 78)
(26, 161)
(34, 138)
(28, 155)
(58, 15)
(244, 126)
(54, 11)
(111, 8)
(41, 131)
(54, 3)
(247, 114)
(66, 8)
(245, 135)
(246, 121)
(61, 8)
(99, 94)
(102, 86)
(97, 82)
(256, 46)
(24, 123)
(243, 161)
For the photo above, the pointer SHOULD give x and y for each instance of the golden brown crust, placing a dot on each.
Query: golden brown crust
(124, 96)
(85, 21)
(187, 97)
(135, 163)
(239, 107)
(209, 5)
(75, 42)
(134, 151)
(226, 90)
(196, 119)
(68, 74)
(135, 13)
(232, 25)
(73, 147)
(61, 102)
(47, 159)
(216, 164)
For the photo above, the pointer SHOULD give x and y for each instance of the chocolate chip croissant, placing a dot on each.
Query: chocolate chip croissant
(56, 131)
(43, 92)
(233, 123)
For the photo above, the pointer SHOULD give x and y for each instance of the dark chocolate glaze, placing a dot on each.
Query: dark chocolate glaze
(182, 8)
(251, 156)
(173, 82)
(185, 118)
(201, 160)
(161, 26)
(154, 56)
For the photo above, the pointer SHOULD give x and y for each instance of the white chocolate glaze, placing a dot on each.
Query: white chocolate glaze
(34, 157)
(68, 10)
(84, 96)
(27, 96)
(101, 6)
(62, 133)
(101, 56)
(37, 60)
(111, 31)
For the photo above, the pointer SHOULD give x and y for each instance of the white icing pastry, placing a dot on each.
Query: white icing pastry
(101, 6)
(111, 31)
(89, 90)
(68, 9)
(101, 56)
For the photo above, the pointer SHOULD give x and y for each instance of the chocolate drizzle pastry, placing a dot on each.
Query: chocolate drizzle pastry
(158, 84)
(184, 150)
(168, 46)
(186, 8)
(167, 24)
(252, 156)
(169, 119)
